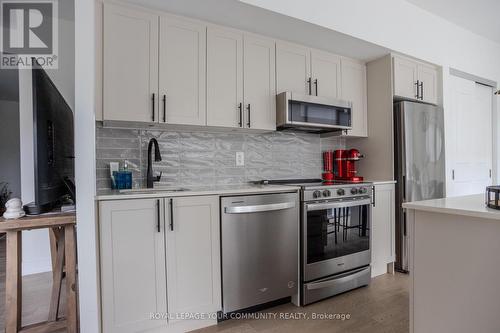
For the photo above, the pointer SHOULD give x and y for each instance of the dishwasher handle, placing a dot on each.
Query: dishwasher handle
(258, 208)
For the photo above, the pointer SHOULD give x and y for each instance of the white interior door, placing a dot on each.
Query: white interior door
(471, 137)
(182, 71)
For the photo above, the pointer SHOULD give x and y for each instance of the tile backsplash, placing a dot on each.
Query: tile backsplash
(209, 158)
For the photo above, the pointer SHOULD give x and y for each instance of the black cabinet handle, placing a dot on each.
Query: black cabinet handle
(153, 106)
(158, 225)
(248, 108)
(171, 214)
(310, 87)
(373, 190)
(417, 85)
(165, 108)
(240, 108)
(422, 90)
(316, 85)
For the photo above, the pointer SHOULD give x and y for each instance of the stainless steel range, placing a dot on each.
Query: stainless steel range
(335, 236)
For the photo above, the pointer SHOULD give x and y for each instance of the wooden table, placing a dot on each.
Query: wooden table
(63, 228)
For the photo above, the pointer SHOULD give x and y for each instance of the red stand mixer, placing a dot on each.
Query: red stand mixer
(341, 165)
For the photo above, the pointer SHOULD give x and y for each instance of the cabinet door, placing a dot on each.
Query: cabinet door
(130, 67)
(193, 255)
(224, 77)
(182, 71)
(405, 78)
(259, 84)
(428, 75)
(132, 253)
(383, 232)
(325, 73)
(353, 89)
(293, 68)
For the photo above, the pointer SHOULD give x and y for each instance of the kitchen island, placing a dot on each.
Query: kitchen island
(454, 265)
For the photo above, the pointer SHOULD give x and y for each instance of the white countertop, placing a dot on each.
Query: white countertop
(469, 205)
(381, 182)
(196, 191)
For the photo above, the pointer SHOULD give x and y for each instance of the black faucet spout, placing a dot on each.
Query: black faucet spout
(150, 178)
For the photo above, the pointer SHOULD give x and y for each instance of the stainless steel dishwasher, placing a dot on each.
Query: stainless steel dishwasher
(259, 249)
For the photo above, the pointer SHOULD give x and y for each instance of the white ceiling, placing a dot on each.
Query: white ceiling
(242, 16)
(479, 16)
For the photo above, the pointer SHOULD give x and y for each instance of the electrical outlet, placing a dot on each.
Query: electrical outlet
(240, 158)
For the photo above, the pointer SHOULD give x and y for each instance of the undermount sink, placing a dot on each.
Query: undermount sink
(152, 190)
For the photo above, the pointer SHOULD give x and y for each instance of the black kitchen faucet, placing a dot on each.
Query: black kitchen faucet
(150, 178)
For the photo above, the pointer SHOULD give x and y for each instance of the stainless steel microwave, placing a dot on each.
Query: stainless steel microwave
(312, 113)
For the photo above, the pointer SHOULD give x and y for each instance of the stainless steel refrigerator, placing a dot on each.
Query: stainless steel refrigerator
(418, 164)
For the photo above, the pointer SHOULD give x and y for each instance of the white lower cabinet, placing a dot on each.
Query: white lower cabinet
(383, 228)
(193, 255)
(158, 259)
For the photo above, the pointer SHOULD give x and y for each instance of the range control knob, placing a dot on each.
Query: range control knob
(363, 190)
(340, 191)
(316, 194)
(326, 193)
(354, 190)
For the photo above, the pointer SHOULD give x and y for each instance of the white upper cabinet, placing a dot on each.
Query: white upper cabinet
(405, 78)
(307, 71)
(224, 77)
(182, 71)
(325, 74)
(415, 80)
(293, 68)
(428, 76)
(353, 88)
(259, 82)
(193, 255)
(132, 258)
(130, 64)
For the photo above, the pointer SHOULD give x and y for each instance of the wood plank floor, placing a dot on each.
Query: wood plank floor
(381, 307)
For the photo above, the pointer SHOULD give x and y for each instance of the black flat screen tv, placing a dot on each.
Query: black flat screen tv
(53, 144)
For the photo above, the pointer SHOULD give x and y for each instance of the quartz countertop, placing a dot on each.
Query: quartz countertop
(195, 191)
(469, 205)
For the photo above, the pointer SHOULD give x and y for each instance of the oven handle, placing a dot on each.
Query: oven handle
(258, 208)
(341, 279)
(342, 204)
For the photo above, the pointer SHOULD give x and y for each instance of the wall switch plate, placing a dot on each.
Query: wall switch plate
(240, 158)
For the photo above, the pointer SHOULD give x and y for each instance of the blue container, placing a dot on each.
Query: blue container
(123, 180)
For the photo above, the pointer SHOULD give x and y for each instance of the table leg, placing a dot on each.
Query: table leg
(13, 283)
(71, 300)
(57, 274)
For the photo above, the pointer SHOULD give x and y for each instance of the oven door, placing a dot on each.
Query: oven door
(336, 237)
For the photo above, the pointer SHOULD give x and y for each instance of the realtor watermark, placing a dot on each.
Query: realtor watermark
(29, 32)
(251, 316)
